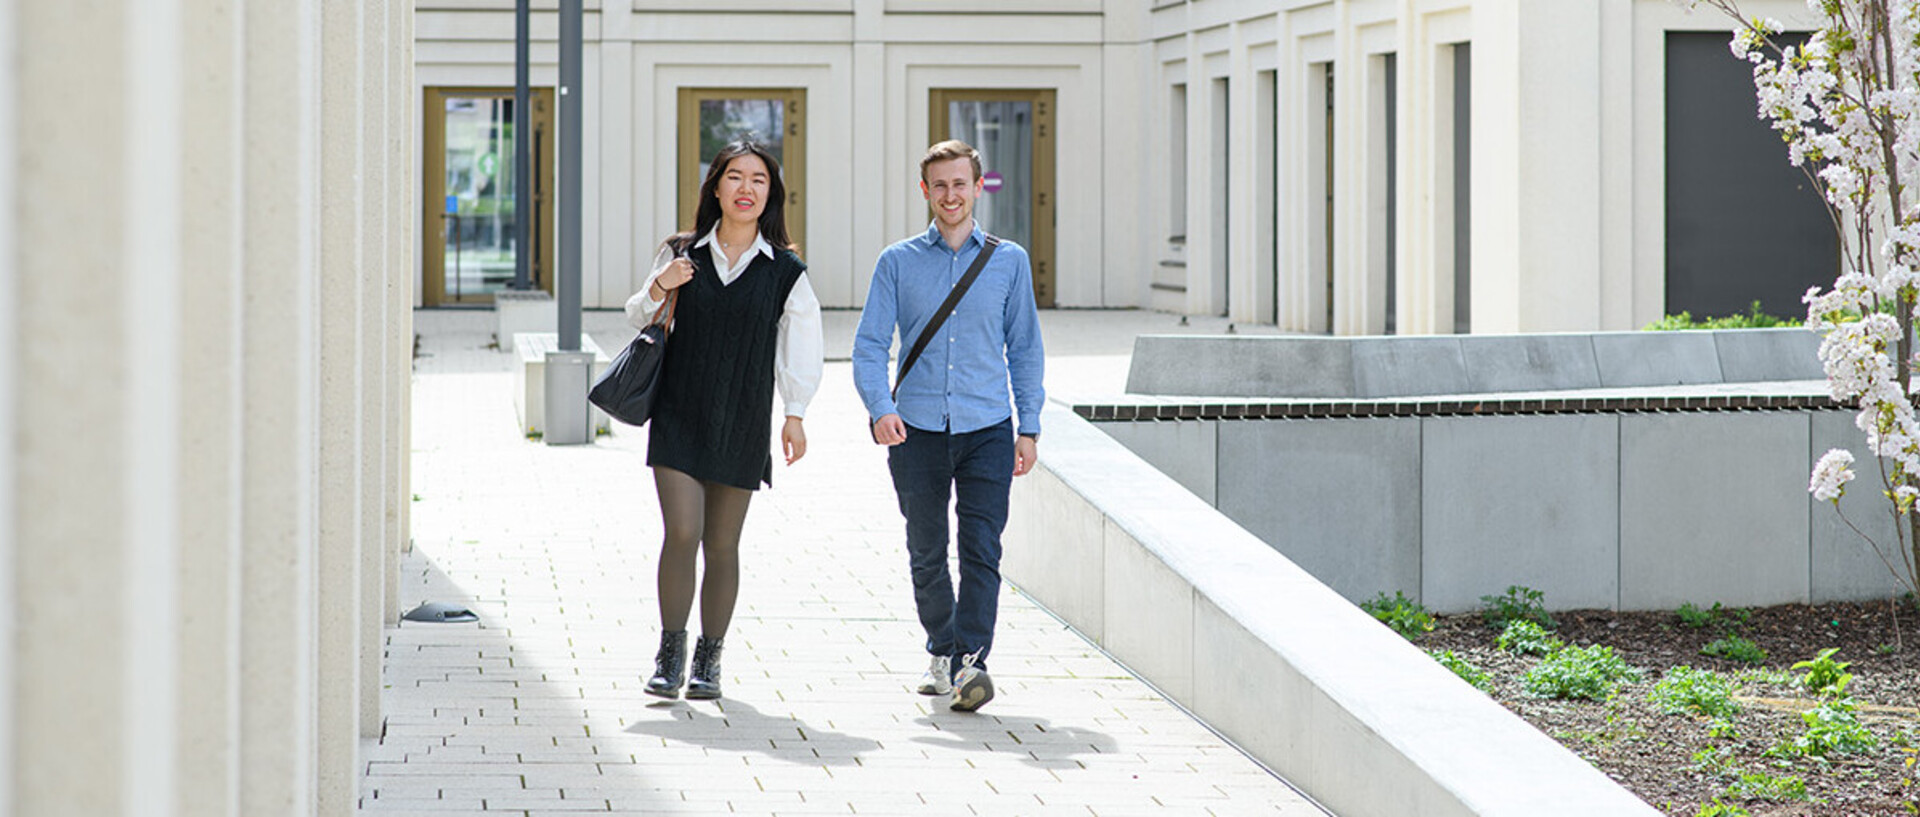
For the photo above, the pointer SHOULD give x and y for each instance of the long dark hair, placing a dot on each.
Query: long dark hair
(773, 219)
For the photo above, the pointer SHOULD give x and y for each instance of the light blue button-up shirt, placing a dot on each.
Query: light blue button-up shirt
(988, 350)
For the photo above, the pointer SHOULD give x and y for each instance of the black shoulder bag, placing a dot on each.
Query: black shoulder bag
(946, 308)
(629, 386)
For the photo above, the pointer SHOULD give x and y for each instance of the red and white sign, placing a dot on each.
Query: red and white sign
(992, 182)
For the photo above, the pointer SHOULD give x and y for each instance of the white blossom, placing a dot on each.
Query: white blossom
(1831, 476)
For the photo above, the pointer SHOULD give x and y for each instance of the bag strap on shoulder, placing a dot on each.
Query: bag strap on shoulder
(946, 308)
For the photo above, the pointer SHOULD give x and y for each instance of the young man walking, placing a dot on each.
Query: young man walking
(949, 423)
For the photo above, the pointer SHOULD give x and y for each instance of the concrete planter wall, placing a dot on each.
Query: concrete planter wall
(1340, 706)
(1617, 509)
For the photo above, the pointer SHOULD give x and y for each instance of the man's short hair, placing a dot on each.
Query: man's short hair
(950, 149)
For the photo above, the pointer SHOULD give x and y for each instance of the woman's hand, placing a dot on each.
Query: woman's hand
(793, 440)
(678, 272)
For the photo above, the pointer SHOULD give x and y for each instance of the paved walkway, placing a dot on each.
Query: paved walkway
(538, 710)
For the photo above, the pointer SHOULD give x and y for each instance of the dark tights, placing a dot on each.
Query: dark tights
(701, 518)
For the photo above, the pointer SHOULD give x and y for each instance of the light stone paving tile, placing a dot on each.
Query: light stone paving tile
(434, 803)
(553, 548)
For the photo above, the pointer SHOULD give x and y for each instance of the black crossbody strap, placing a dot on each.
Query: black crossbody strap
(946, 308)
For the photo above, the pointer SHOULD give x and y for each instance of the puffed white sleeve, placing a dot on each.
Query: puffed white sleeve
(800, 356)
(641, 306)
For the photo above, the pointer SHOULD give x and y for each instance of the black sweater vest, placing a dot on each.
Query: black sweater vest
(714, 418)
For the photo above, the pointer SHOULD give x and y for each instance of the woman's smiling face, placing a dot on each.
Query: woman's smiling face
(743, 188)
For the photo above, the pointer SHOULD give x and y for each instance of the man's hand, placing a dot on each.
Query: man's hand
(793, 440)
(889, 430)
(1026, 452)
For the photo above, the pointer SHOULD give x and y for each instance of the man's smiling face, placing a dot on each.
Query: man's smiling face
(951, 189)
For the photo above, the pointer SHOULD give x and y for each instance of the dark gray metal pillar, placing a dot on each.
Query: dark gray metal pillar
(569, 370)
(523, 214)
(567, 283)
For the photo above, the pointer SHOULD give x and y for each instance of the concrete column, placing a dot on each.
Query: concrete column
(71, 640)
(867, 152)
(1199, 193)
(1536, 167)
(398, 366)
(375, 396)
(343, 192)
(150, 299)
(208, 201)
(613, 86)
(280, 369)
(9, 347)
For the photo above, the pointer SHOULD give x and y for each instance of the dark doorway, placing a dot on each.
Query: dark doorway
(1742, 224)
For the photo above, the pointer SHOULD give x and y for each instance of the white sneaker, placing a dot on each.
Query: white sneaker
(938, 680)
(972, 688)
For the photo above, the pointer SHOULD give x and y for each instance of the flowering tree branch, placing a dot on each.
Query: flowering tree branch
(1847, 104)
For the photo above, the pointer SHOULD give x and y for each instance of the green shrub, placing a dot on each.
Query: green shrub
(1687, 690)
(1407, 617)
(1519, 604)
(1735, 648)
(1825, 676)
(1578, 672)
(1464, 668)
(1754, 319)
(1831, 727)
(1527, 638)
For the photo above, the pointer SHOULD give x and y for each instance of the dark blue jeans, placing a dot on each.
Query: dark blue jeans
(973, 470)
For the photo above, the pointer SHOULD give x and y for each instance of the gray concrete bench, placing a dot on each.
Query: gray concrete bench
(1366, 367)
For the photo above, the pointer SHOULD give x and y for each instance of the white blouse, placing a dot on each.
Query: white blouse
(800, 354)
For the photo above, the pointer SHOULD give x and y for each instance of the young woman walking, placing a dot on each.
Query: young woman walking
(745, 324)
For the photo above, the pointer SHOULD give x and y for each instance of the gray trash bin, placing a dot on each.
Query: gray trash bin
(569, 376)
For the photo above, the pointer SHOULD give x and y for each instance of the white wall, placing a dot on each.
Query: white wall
(162, 378)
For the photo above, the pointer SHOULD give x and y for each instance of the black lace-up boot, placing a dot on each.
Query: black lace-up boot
(669, 665)
(705, 680)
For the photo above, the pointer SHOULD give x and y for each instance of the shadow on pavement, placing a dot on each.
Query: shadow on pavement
(1043, 744)
(741, 727)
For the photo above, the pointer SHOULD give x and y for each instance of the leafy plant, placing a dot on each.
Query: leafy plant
(1464, 668)
(1735, 648)
(1825, 676)
(1763, 786)
(1697, 617)
(1685, 689)
(1721, 808)
(1578, 672)
(1527, 638)
(1714, 760)
(1518, 604)
(1831, 727)
(1701, 617)
(1407, 617)
(1723, 728)
(1754, 319)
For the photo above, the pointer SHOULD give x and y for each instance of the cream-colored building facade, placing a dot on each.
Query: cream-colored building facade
(1205, 162)
(205, 336)
(219, 218)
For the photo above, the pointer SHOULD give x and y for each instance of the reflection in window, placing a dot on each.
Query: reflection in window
(479, 207)
(724, 120)
(1003, 133)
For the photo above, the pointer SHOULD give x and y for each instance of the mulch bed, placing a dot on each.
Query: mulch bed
(1655, 754)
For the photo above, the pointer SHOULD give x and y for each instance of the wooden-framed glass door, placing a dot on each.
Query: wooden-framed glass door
(469, 223)
(775, 117)
(1014, 131)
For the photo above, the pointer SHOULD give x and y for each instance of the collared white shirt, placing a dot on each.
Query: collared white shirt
(800, 353)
